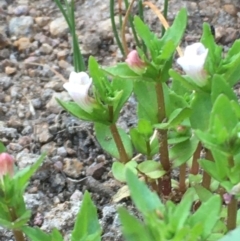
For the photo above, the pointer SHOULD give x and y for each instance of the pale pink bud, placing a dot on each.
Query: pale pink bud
(192, 62)
(135, 63)
(78, 87)
(227, 198)
(6, 164)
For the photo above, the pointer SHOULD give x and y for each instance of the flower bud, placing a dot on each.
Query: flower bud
(78, 87)
(192, 62)
(227, 198)
(135, 63)
(6, 165)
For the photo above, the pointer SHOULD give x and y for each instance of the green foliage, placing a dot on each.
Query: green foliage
(106, 140)
(87, 227)
(169, 221)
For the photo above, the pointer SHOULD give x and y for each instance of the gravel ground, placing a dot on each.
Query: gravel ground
(34, 41)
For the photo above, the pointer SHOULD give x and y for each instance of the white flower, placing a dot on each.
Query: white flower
(77, 87)
(193, 61)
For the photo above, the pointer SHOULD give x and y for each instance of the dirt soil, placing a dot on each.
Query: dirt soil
(34, 44)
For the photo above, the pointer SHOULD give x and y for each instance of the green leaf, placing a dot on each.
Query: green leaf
(210, 168)
(139, 141)
(126, 88)
(106, 140)
(100, 81)
(183, 81)
(232, 235)
(220, 86)
(74, 109)
(147, 101)
(203, 193)
(122, 70)
(224, 116)
(182, 152)
(145, 128)
(201, 109)
(22, 177)
(145, 33)
(56, 235)
(209, 211)
(152, 169)
(182, 212)
(145, 200)
(118, 171)
(2, 147)
(214, 51)
(133, 229)
(176, 118)
(87, 221)
(36, 234)
(221, 161)
(176, 31)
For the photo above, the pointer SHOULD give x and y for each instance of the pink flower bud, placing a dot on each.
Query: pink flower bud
(135, 63)
(6, 164)
(227, 198)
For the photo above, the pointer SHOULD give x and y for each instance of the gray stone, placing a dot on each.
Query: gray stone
(21, 26)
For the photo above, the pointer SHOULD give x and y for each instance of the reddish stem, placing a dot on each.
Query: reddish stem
(195, 165)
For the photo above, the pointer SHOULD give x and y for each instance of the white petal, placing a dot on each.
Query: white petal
(194, 49)
(193, 63)
(79, 94)
(81, 78)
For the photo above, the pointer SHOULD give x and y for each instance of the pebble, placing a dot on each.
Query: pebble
(61, 151)
(10, 70)
(231, 9)
(37, 103)
(15, 147)
(22, 43)
(96, 170)
(5, 82)
(42, 21)
(11, 133)
(72, 167)
(58, 27)
(24, 141)
(46, 49)
(21, 26)
(21, 10)
(4, 41)
(42, 133)
(26, 159)
(49, 148)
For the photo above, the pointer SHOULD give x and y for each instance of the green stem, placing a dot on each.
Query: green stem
(163, 149)
(114, 27)
(206, 181)
(165, 12)
(232, 214)
(18, 234)
(195, 165)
